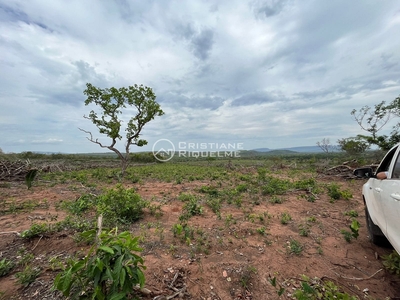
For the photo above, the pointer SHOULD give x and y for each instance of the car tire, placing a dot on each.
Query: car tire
(376, 235)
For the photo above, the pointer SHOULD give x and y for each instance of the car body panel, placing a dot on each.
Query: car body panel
(382, 197)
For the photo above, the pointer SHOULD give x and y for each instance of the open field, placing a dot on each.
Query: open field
(211, 229)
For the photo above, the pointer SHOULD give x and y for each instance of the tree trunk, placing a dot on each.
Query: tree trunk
(124, 165)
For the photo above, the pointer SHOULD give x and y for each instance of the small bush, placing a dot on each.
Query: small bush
(190, 209)
(285, 218)
(304, 229)
(120, 206)
(109, 271)
(210, 190)
(335, 193)
(351, 213)
(28, 275)
(392, 263)
(185, 197)
(295, 247)
(276, 200)
(35, 230)
(314, 289)
(241, 188)
(353, 234)
(214, 204)
(309, 184)
(275, 186)
(6, 266)
(80, 205)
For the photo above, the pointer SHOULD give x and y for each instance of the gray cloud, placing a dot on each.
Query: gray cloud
(269, 8)
(200, 39)
(202, 44)
(258, 98)
(67, 85)
(215, 66)
(178, 100)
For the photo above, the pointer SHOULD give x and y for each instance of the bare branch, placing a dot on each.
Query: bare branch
(92, 140)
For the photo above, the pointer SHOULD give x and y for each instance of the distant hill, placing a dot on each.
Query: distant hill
(280, 152)
(261, 150)
(302, 149)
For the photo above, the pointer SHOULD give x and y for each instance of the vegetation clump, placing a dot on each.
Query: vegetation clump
(109, 271)
(120, 205)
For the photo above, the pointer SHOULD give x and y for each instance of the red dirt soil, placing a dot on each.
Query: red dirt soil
(229, 258)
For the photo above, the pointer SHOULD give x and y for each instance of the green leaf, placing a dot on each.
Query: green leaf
(99, 264)
(355, 225)
(107, 249)
(118, 296)
(273, 281)
(281, 291)
(30, 177)
(67, 282)
(118, 267)
(140, 277)
(78, 266)
(307, 288)
(122, 277)
(99, 294)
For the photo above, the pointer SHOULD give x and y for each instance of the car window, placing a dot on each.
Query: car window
(396, 169)
(384, 166)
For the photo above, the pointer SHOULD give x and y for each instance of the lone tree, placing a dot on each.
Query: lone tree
(325, 145)
(111, 102)
(372, 120)
(353, 145)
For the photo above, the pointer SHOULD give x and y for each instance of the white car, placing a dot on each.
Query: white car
(382, 200)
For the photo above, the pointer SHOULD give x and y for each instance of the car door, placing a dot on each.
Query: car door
(389, 190)
(373, 192)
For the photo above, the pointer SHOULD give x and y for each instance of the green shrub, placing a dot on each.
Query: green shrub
(184, 197)
(35, 230)
(275, 186)
(335, 193)
(295, 247)
(109, 271)
(313, 289)
(353, 234)
(30, 177)
(6, 266)
(304, 229)
(191, 208)
(80, 205)
(28, 275)
(210, 190)
(392, 263)
(214, 203)
(276, 200)
(351, 213)
(285, 218)
(120, 206)
(309, 184)
(77, 223)
(241, 188)
(317, 289)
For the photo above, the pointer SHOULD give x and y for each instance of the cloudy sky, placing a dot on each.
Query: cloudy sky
(264, 73)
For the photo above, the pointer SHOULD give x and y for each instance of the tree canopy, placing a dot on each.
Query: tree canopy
(112, 102)
(373, 120)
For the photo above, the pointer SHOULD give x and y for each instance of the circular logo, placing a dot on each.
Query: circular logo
(163, 150)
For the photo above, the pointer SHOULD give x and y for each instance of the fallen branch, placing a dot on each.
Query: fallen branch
(11, 232)
(177, 293)
(356, 278)
(37, 243)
